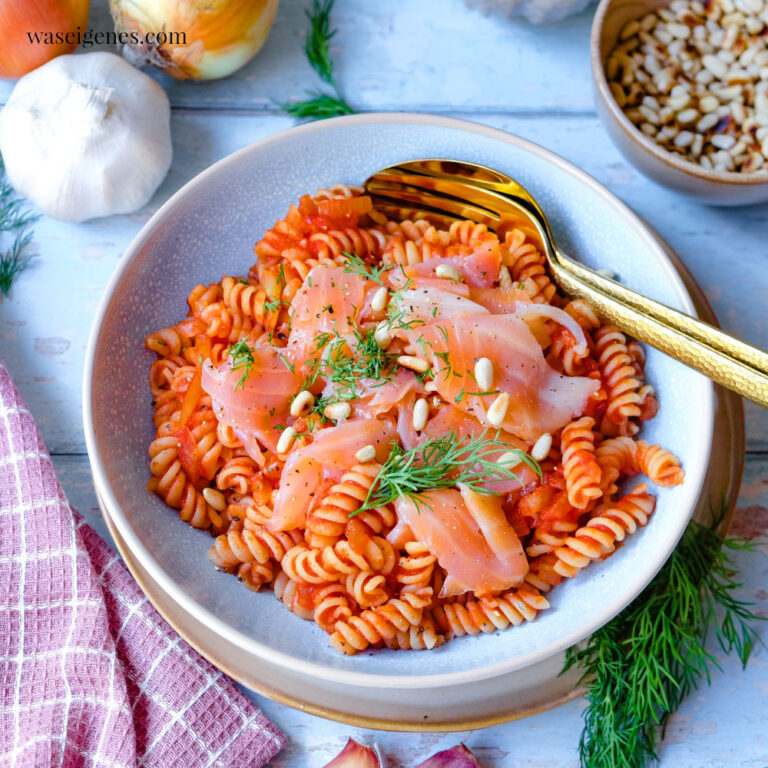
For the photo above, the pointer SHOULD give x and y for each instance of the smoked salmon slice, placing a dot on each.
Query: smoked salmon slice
(327, 305)
(541, 400)
(452, 420)
(479, 266)
(470, 537)
(329, 455)
(253, 404)
(424, 304)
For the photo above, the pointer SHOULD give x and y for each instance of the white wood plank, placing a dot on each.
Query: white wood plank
(45, 324)
(707, 732)
(431, 55)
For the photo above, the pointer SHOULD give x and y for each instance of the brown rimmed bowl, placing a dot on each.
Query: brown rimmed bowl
(709, 186)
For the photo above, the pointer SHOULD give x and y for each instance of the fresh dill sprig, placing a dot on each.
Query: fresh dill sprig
(441, 463)
(13, 215)
(241, 356)
(640, 666)
(320, 34)
(320, 106)
(288, 364)
(356, 266)
(14, 260)
(372, 362)
(14, 219)
(396, 313)
(344, 362)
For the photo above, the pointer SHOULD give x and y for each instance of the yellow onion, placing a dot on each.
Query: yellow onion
(55, 22)
(204, 39)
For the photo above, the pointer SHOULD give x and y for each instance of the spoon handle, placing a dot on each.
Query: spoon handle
(724, 359)
(697, 329)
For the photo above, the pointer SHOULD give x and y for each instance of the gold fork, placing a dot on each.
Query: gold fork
(449, 190)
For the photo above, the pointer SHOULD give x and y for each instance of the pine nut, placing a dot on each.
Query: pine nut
(215, 499)
(681, 31)
(382, 336)
(692, 69)
(498, 410)
(605, 272)
(337, 411)
(380, 299)
(484, 373)
(449, 272)
(688, 116)
(737, 110)
(705, 77)
(431, 386)
(651, 64)
(664, 80)
(420, 414)
(418, 364)
(697, 145)
(618, 94)
(365, 454)
(505, 279)
(708, 121)
(651, 103)
(727, 94)
(541, 447)
(722, 141)
(509, 459)
(302, 403)
(715, 65)
(286, 440)
(651, 116)
(680, 102)
(630, 28)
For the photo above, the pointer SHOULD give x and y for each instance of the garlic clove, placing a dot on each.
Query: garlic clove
(86, 136)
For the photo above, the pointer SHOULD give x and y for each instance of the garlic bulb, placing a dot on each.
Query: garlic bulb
(86, 136)
(199, 39)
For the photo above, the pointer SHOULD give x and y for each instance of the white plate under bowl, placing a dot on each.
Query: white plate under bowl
(208, 229)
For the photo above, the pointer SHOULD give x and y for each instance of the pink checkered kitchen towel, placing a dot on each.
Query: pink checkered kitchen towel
(90, 673)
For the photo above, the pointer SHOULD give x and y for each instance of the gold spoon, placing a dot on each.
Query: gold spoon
(447, 190)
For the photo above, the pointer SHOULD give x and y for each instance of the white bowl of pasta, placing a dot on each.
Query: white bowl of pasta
(404, 433)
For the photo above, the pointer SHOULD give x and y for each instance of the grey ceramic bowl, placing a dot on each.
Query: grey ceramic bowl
(209, 228)
(667, 168)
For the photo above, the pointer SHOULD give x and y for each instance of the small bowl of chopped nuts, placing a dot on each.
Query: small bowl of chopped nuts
(682, 88)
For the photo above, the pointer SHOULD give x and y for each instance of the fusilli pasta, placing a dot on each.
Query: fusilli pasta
(301, 513)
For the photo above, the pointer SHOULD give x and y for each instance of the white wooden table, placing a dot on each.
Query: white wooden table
(432, 56)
